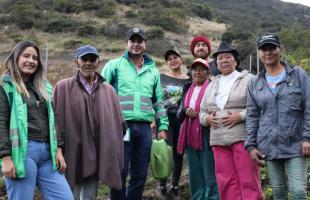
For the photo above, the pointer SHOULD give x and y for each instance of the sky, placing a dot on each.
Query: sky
(303, 2)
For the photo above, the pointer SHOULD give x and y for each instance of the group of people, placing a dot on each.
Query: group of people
(97, 127)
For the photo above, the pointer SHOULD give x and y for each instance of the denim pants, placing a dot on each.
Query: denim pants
(39, 172)
(296, 170)
(136, 160)
(202, 179)
(237, 175)
(87, 189)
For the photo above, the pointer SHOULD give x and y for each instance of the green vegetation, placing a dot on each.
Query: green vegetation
(248, 19)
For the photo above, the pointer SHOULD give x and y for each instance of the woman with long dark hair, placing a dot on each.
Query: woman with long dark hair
(30, 151)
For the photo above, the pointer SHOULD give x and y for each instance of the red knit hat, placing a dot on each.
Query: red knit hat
(200, 38)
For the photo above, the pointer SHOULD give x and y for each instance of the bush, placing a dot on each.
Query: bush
(155, 33)
(228, 37)
(72, 44)
(66, 6)
(130, 14)
(87, 30)
(157, 47)
(127, 2)
(106, 9)
(24, 15)
(60, 24)
(168, 19)
(201, 10)
(114, 30)
(6, 20)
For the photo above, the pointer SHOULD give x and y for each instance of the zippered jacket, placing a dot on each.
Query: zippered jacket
(19, 126)
(278, 123)
(140, 93)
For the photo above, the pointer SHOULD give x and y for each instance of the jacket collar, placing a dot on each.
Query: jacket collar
(147, 59)
(242, 75)
(100, 78)
(261, 75)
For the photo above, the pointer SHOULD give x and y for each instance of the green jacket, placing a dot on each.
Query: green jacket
(19, 126)
(140, 94)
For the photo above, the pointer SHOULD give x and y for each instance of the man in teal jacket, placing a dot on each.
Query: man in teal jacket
(136, 80)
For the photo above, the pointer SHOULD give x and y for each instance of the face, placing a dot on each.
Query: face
(88, 65)
(270, 54)
(200, 74)
(28, 62)
(201, 50)
(136, 45)
(226, 63)
(174, 62)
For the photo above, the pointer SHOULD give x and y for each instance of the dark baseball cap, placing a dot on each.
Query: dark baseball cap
(268, 38)
(86, 49)
(171, 51)
(134, 31)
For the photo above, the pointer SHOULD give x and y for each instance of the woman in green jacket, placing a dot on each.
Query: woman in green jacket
(29, 150)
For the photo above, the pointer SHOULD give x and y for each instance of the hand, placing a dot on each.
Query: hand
(8, 168)
(258, 157)
(305, 149)
(231, 119)
(153, 127)
(60, 161)
(212, 120)
(191, 113)
(162, 135)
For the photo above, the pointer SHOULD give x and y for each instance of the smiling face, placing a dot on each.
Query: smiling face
(136, 45)
(88, 65)
(201, 50)
(270, 55)
(174, 62)
(27, 62)
(226, 63)
(200, 74)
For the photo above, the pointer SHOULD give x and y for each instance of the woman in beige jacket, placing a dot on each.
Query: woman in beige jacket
(223, 108)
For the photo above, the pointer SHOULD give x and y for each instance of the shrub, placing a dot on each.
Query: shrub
(24, 15)
(127, 2)
(60, 24)
(87, 30)
(228, 37)
(168, 19)
(130, 14)
(6, 20)
(201, 10)
(114, 30)
(72, 44)
(157, 47)
(155, 33)
(66, 6)
(106, 9)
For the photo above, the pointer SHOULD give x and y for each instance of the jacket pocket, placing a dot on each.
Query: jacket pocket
(294, 98)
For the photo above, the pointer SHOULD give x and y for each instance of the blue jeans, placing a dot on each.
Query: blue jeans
(87, 190)
(296, 170)
(136, 160)
(39, 172)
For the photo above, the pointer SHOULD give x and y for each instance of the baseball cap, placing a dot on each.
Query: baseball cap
(171, 51)
(200, 61)
(86, 49)
(268, 38)
(137, 31)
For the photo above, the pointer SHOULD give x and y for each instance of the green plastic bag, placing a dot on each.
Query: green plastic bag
(161, 159)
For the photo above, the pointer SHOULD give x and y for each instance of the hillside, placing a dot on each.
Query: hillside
(59, 26)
